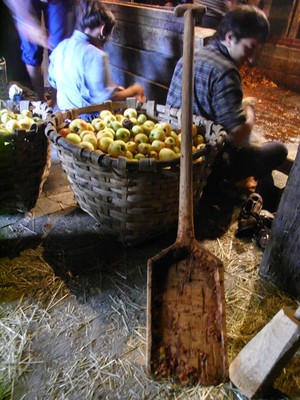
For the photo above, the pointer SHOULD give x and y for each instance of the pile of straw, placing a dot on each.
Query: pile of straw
(55, 345)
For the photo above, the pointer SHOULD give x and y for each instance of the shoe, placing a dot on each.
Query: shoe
(249, 220)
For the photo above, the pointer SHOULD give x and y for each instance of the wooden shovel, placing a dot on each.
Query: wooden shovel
(259, 363)
(186, 337)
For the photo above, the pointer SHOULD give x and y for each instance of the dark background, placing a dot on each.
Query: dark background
(10, 48)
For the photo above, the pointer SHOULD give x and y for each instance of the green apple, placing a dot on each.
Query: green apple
(104, 113)
(157, 134)
(104, 142)
(148, 126)
(90, 137)
(177, 150)
(12, 125)
(78, 125)
(139, 156)
(73, 138)
(141, 138)
(166, 154)
(157, 145)
(144, 148)
(136, 129)
(108, 119)
(131, 146)
(26, 122)
(98, 124)
(166, 127)
(86, 145)
(141, 119)
(115, 125)
(170, 142)
(117, 148)
(130, 113)
(123, 134)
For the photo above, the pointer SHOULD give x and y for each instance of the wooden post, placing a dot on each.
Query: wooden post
(281, 259)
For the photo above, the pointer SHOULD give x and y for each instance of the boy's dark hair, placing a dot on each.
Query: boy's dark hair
(91, 14)
(243, 22)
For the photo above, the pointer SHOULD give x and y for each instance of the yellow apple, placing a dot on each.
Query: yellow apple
(78, 125)
(130, 113)
(12, 125)
(170, 142)
(98, 124)
(157, 145)
(26, 122)
(198, 139)
(141, 138)
(105, 133)
(154, 154)
(166, 127)
(104, 142)
(73, 138)
(104, 113)
(123, 134)
(86, 145)
(117, 148)
(7, 116)
(167, 154)
(26, 113)
(129, 155)
(131, 146)
(144, 148)
(90, 137)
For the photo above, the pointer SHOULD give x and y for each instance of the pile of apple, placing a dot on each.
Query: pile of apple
(130, 135)
(10, 121)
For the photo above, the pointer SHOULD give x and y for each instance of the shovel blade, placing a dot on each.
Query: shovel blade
(186, 335)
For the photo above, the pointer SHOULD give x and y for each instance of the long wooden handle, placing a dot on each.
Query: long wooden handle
(186, 214)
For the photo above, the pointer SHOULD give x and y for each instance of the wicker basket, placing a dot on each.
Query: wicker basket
(132, 200)
(25, 159)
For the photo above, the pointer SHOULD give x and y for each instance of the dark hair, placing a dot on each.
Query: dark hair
(91, 14)
(243, 22)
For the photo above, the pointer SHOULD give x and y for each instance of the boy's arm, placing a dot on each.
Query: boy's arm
(26, 21)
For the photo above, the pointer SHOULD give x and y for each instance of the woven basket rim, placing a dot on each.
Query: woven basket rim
(123, 163)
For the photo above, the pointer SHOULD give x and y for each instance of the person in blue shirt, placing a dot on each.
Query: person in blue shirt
(36, 36)
(79, 67)
(218, 96)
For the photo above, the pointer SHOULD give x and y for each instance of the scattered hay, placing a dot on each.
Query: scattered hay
(54, 347)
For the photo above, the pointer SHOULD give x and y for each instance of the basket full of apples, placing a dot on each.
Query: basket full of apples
(25, 154)
(122, 160)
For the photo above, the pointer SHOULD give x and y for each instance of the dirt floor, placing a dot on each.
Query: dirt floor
(73, 310)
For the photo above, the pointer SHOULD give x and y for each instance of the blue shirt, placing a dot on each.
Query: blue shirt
(80, 72)
(218, 90)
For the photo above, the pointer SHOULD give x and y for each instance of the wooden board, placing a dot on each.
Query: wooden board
(146, 45)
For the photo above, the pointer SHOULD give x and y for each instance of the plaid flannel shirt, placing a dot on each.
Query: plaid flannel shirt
(218, 90)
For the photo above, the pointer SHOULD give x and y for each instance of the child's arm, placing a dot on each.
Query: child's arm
(134, 90)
